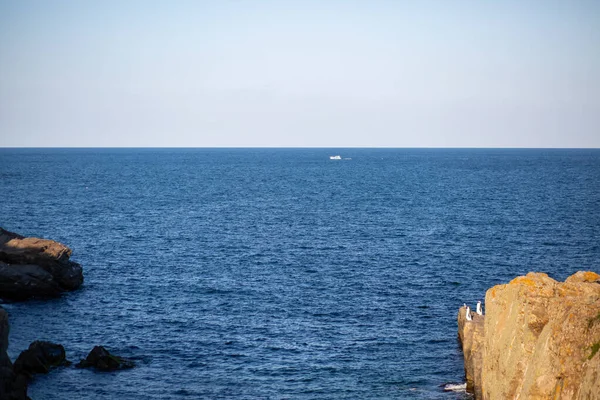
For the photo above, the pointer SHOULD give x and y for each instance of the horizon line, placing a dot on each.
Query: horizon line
(302, 147)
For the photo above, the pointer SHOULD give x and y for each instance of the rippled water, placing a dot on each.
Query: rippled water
(278, 273)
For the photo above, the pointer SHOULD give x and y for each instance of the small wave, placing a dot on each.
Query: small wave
(212, 290)
(196, 364)
(436, 341)
(455, 387)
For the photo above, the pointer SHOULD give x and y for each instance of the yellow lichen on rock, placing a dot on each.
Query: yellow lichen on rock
(583, 276)
(537, 338)
(522, 280)
(590, 276)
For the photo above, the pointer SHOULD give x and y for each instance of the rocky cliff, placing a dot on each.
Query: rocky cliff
(471, 337)
(6, 366)
(539, 339)
(32, 267)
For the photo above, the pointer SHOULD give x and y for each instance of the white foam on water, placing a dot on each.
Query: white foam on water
(456, 387)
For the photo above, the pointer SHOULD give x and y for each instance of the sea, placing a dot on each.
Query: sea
(282, 274)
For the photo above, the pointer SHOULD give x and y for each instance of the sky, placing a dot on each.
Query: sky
(306, 73)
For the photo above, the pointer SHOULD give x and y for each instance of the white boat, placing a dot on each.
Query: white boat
(335, 157)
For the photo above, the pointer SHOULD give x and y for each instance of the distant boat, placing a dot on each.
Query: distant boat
(335, 157)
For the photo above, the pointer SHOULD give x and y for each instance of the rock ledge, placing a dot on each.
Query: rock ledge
(32, 267)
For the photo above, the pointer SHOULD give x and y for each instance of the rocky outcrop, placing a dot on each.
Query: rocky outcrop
(39, 358)
(7, 375)
(540, 339)
(32, 267)
(471, 337)
(100, 359)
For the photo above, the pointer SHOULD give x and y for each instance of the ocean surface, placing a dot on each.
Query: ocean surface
(282, 274)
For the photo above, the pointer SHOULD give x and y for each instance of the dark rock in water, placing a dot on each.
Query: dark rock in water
(12, 386)
(39, 358)
(23, 281)
(102, 360)
(19, 388)
(7, 375)
(32, 267)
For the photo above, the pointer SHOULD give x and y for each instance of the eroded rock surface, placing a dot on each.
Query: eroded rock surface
(471, 337)
(32, 267)
(541, 339)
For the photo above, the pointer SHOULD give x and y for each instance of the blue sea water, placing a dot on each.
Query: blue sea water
(278, 273)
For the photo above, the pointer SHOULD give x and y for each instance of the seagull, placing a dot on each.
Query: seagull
(479, 312)
(468, 314)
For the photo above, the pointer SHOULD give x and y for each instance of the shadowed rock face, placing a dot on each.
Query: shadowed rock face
(540, 339)
(7, 375)
(31, 267)
(39, 358)
(100, 359)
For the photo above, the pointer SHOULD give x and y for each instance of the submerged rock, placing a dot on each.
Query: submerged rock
(102, 360)
(32, 267)
(540, 340)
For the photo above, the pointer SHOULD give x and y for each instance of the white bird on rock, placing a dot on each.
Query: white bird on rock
(468, 314)
(479, 311)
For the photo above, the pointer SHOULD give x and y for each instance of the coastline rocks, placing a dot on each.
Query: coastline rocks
(100, 359)
(7, 375)
(39, 358)
(32, 267)
(540, 339)
(471, 336)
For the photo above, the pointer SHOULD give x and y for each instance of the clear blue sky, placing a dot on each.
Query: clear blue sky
(448, 73)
